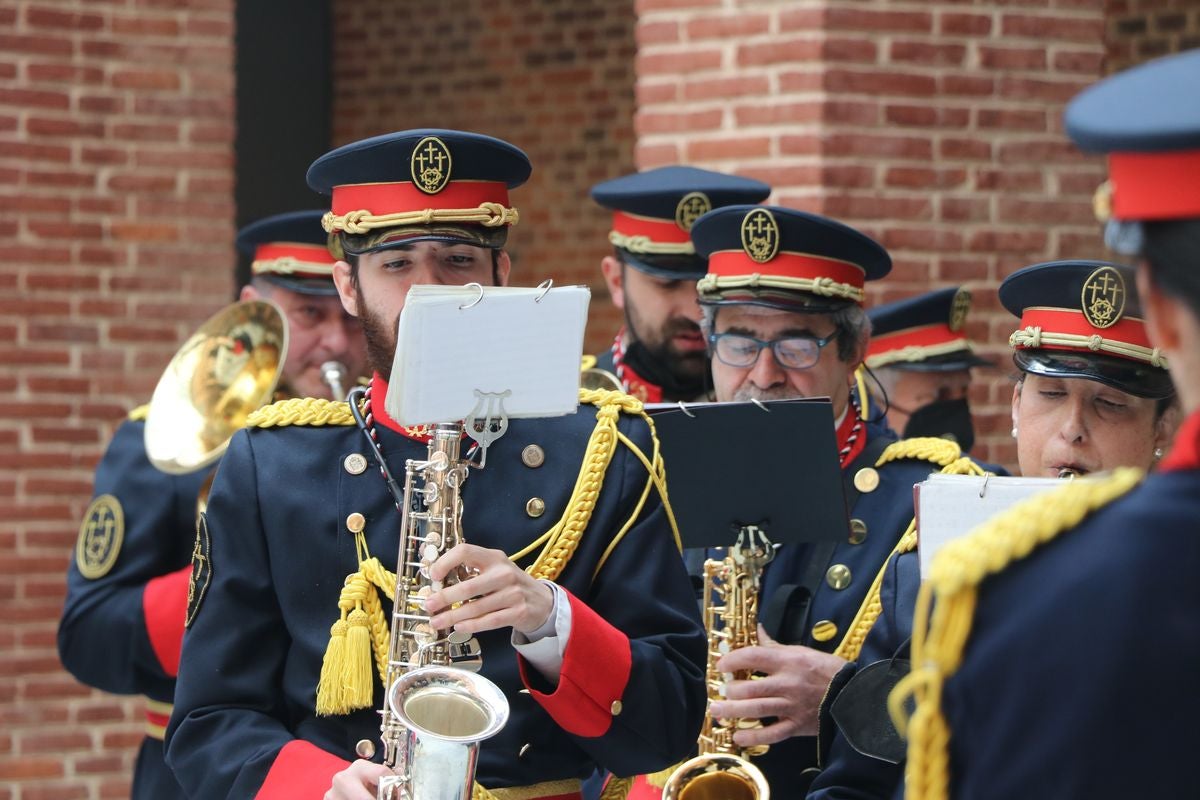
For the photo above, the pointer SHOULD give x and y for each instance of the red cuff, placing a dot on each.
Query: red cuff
(301, 769)
(164, 607)
(594, 674)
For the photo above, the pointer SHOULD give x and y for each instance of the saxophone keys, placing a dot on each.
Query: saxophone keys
(365, 748)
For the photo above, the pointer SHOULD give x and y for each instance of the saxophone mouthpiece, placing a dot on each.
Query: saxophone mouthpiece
(334, 373)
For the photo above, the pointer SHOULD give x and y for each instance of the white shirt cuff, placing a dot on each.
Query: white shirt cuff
(544, 648)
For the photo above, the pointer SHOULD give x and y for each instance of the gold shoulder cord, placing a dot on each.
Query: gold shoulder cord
(140, 413)
(936, 450)
(954, 578)
(307, 411)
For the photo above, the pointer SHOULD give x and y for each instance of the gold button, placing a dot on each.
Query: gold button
(616, 707)
(838, 576)
(355, 463)
(866, 479)
(533, 456)
(858, 531)
(824, 630)
(356, 522)
(535, 507)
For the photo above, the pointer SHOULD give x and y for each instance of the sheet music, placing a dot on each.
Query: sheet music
(951, 506)
(456, 340)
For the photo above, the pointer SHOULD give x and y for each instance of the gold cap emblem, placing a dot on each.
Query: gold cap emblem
(760, 235)
(959, 307)
(1103, 297)
(100, 537)
(691, 207)
(430, 165)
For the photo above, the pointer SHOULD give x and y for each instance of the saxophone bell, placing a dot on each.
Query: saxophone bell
(717, 776)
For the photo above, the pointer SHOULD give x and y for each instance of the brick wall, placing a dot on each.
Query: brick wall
(933, 126)
(115, 184)
(554, 77)
(1143, 29)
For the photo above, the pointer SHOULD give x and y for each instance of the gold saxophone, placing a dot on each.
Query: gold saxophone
(437, 709)
(722, 770)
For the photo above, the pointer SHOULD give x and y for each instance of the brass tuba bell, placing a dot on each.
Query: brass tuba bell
(224, 372)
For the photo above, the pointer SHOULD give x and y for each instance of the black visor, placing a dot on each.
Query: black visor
(1132, 377)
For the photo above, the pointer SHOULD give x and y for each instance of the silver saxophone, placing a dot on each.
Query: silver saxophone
(437, 709)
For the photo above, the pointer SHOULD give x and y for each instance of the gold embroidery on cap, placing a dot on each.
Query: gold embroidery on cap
(691, 207)
(1102, 201)
(1103, 297)
(760, 235)
(431, 165)
(959, 307)
(100, 536)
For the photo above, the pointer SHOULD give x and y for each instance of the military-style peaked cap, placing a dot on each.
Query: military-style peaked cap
(428, 184)
(1082, 319)
(774, 256)
(653, 213)
(290, 250)
(923, 333)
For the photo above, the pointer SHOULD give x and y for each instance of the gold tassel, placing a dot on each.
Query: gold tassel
(616, 788)
(357, 681)
(330, 692)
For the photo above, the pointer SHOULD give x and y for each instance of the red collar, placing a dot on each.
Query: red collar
(851, 442)
(1185, 452)
(379, 388)
(631, 382)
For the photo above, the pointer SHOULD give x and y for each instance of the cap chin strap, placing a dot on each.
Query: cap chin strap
(489, 215)
(1034, 337)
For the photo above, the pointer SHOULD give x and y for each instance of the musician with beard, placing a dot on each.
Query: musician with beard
(659, 354)
(783, 316)
(302, 533)
(127, 588)
(921, 360)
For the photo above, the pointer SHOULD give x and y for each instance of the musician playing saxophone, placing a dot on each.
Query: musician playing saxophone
(122, 621)
(281, 677)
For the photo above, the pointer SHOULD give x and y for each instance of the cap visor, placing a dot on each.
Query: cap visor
(1131, 377)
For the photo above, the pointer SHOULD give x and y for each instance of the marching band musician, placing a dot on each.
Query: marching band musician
(1075, 410)
(602, 667)
(659, 355)
(1060, 657)
(922, 360)
(783, 316)
(122, 620)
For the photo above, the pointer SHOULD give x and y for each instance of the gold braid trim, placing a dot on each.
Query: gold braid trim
(934, 449)
(1034, 337)
(872, 606)
(140, 413)
(301, 411)
(918, 352)
(953, 580)
(644, 244)
(825, 287)
(616, 788)
(489, 215)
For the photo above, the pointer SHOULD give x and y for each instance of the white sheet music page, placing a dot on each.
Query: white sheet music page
(951, 506)
(455, 341)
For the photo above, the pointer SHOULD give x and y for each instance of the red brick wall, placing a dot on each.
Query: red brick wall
(116, 186)
(1139, 30)
(933, 126)
(554, 77)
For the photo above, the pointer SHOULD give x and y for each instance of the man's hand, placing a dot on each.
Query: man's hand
(794, 682)
(501, 594)
(357, 781)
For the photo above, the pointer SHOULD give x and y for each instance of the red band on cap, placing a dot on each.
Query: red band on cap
(656, 230)
(304, 253)
(1155, 185)
(1129, 330)
(923, 336)
(734, 263)
(395, 198)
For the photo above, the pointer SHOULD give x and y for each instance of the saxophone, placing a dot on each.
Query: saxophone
(722, 770)
(437, 709)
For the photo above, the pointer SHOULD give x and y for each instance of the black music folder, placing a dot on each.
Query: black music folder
(773, 464)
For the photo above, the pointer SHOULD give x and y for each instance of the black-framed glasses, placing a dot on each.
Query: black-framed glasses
(792, 352)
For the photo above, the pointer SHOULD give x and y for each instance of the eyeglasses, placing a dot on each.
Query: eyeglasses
(792, 352)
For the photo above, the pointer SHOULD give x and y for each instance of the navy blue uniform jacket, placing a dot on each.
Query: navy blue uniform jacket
(244, 720)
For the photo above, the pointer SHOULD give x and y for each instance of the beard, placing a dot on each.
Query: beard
(380, 336)
(683, 366)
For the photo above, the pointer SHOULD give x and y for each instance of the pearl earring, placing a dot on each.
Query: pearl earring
(1158, 452)
(1014, 431)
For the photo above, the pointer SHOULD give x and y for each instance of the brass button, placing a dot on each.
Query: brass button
(838, 576)
(355, 463)
(356, 522)
(824, 630)
(616, 707)
(533, 456)
(858, 531)
(535, 507)
(866, 479)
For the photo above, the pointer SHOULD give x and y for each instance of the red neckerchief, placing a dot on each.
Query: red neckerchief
(1185, 452)
(631, 382)
(377, 392)
(851, 436)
